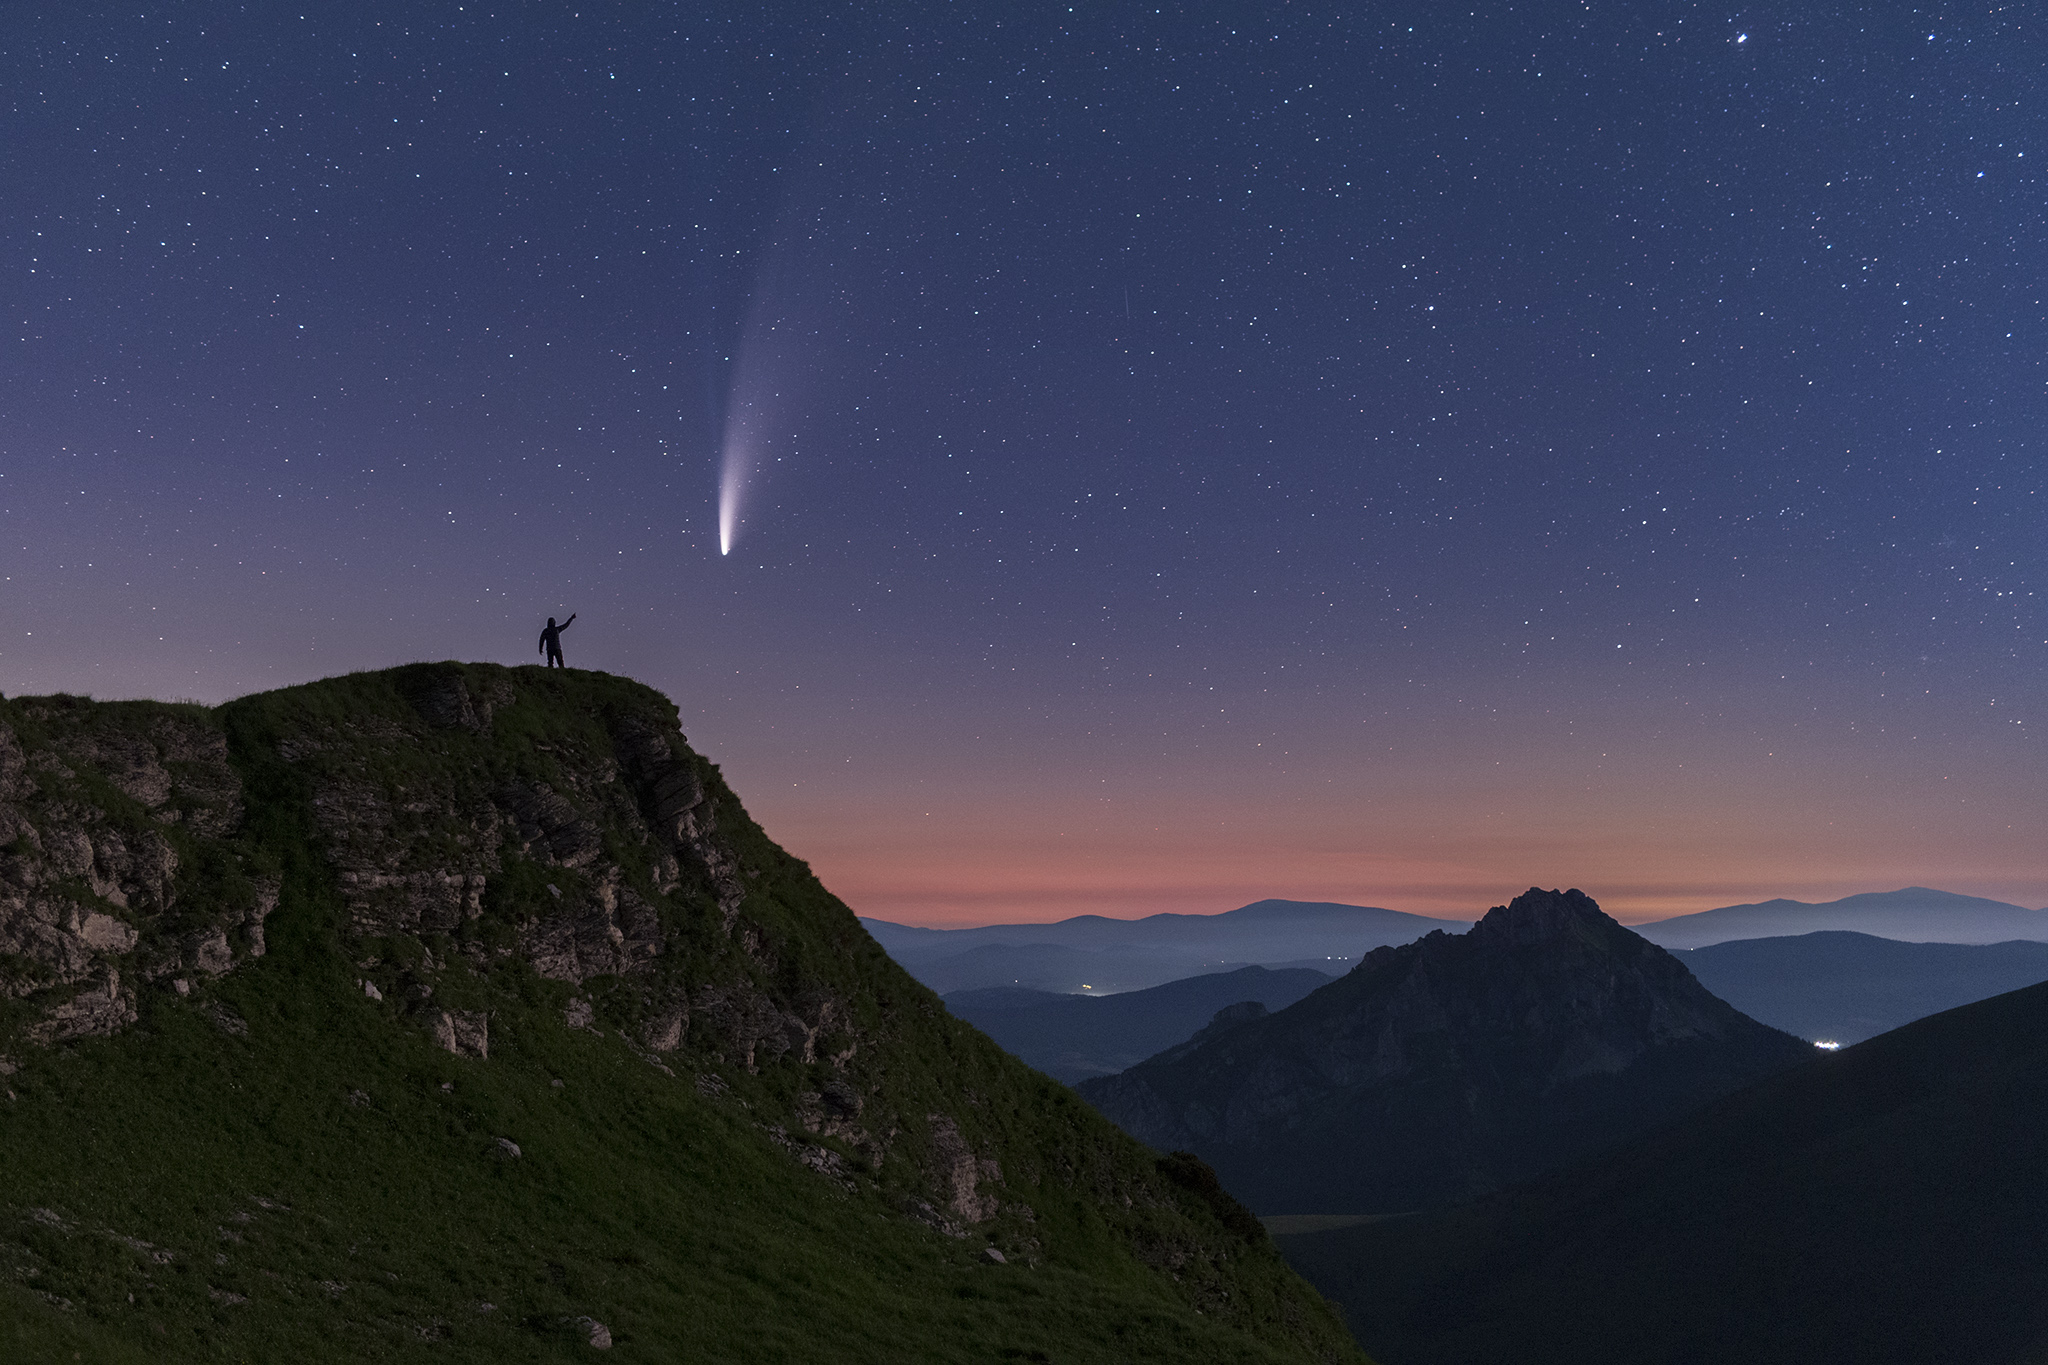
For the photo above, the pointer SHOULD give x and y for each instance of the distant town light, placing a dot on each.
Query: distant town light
(1827, 1045)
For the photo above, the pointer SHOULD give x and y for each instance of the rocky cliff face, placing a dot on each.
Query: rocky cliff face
(1449, 1067)
(504, 868)
(114, 867)
(562, 854)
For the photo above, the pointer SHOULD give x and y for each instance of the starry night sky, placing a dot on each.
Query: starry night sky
(1370, 453)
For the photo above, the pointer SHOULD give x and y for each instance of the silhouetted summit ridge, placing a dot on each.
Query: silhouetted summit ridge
(1538, 915)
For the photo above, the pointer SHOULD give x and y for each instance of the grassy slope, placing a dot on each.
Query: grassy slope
(341, 1175)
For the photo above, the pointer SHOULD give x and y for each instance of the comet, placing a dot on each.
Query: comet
(778, 372)
(755, 413)
(749, 448)
(741, 450)
(735, 465)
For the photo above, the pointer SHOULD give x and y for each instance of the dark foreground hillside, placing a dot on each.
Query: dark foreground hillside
(1887, 1206)
(460, 1013)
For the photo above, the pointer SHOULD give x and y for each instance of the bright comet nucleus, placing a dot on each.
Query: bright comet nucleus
(739, 461)
(732, 478)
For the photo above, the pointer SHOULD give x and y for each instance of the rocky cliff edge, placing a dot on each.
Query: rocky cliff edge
(454, 857)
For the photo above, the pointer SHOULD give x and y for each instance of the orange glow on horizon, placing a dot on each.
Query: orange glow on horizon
(971, 871)
(1649, 817)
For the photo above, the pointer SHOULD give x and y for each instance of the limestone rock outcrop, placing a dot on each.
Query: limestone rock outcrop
(544, 830)
(466, 1033)
(123, 863)
(960, 1173)
(114, 869)
(120, 862)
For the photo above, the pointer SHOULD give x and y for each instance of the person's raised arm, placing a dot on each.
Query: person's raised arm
(570, 622)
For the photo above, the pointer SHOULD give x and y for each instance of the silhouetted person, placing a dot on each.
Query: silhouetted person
(551, 641)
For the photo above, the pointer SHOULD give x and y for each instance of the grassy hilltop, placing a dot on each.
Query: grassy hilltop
(460, 1013)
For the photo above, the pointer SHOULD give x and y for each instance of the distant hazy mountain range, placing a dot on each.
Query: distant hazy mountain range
(1883, 1205)
(1073, 1037)
(1109, 955)
(1450, 1067)
(1833, 986)
(1915, 915)
(1848, 987)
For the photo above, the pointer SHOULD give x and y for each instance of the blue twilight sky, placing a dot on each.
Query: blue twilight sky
(1177, 455)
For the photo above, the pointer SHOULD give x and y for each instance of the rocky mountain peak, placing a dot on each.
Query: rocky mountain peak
(1537, 915)
(1450, 1066)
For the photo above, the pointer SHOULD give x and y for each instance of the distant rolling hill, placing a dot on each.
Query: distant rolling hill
(1073, 1037)
(1120, 955)
(1915, 914)
(1847, 987)
(1880, 1206)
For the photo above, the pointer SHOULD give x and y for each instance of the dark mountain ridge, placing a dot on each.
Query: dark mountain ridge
(1884, 1206)
(1121, 955)
(1846, 987)
(1450, 1067)
(1073, 1037)
(1255, 922)
(461, 1013)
